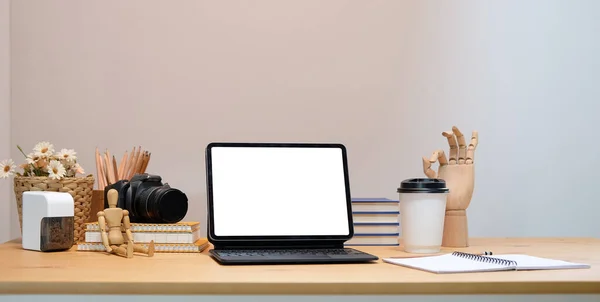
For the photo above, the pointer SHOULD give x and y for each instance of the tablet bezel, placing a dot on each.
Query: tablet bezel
(303, 240)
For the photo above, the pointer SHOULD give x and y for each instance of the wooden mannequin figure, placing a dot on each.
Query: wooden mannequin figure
(114, 241)
(458, 172)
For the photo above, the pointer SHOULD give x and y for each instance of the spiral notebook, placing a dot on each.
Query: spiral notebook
(460, 262)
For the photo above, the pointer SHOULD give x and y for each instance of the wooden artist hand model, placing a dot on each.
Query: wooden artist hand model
(458, 172)
(114, 242)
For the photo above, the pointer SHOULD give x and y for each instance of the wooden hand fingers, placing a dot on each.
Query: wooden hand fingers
(453, 147)
(427, 168)
(460, 153)
(472, 146)
(438, 156)
(462, 146)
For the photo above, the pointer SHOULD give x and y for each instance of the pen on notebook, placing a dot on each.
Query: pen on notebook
(484, 253)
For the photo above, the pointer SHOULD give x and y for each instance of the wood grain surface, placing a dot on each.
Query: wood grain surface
(72, 272)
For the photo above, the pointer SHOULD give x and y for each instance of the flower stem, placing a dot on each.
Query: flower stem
(19, 147)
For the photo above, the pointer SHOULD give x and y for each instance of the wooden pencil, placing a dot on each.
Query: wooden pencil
(122, 166)
(138, 163)
(134, 162)
(146, 160)
(99, 165)
(128, 165)
(102, 173)
(107, 168)
(111, 169)
(115, 169)
(99, 178)
(142, 160)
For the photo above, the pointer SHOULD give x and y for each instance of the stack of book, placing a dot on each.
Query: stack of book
(376, 222)
(181, 237)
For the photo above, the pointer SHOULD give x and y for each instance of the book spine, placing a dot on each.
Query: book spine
(376, 212)
(174, 238)
(375, 234)
(159, 248)
(150, 228)
(372, 199)
(372, 244)
(377, 223)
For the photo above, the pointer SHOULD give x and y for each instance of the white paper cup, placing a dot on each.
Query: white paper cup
(422, 213)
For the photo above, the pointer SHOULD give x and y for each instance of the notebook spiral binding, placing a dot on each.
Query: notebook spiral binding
(486, 259)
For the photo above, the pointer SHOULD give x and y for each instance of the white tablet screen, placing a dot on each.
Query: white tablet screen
(278, 191)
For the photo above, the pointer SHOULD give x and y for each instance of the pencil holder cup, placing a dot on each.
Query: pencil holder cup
(422, 214)
(97, 205)
(80, 189)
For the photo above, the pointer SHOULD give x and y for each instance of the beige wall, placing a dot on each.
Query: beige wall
(383, 77)
(5, 203)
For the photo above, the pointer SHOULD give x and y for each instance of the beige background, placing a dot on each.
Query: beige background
(5, 205)
(383, 77)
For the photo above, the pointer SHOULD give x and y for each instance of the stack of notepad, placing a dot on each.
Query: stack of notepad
(181, 237)
(376, 222)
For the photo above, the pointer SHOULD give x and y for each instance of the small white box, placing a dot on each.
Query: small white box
(48, 221)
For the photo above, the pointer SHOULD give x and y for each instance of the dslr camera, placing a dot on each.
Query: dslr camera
(148, 200)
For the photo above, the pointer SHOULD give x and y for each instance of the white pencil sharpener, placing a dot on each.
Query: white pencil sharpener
(48, 221)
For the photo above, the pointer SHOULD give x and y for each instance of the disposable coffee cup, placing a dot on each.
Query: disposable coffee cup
(422, 213)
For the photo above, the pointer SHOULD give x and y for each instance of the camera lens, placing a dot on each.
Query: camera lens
(162, 204)
(171, 205)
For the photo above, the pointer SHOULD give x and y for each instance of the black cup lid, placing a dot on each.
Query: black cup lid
(423, 185)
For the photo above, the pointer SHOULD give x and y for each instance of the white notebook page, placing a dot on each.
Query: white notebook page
(526, 262)
(447, 264)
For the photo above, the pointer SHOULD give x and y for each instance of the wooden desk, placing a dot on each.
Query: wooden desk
(29, 272)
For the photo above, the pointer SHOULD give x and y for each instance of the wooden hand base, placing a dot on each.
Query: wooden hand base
(456, 232)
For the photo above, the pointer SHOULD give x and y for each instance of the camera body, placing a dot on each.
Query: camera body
(148, 200)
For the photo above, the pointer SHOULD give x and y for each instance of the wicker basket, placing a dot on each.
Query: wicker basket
(79, 187)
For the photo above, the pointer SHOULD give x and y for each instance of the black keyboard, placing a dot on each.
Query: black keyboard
(271, 256)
